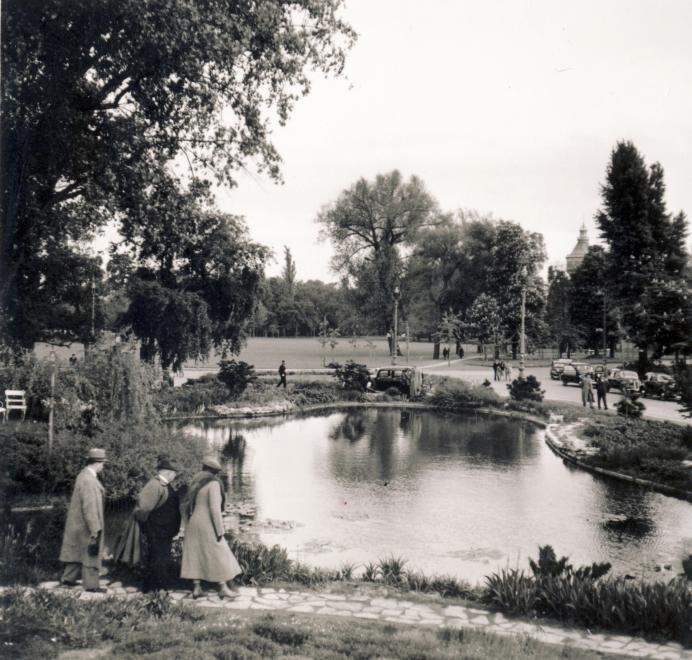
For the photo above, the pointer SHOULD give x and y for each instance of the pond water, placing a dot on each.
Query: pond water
(455, 495)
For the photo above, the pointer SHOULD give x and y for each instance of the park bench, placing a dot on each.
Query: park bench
(14, 400)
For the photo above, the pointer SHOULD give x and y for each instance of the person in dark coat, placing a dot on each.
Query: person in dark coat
(496, 366)
(158, 514)
(282, 374)
(601, 392)
(82, 542)
(206, 554)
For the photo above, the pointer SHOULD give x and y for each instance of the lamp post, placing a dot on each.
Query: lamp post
(522, 337)
(605, 334)
(396, 324)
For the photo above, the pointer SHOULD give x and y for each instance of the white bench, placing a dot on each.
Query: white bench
(14, 400)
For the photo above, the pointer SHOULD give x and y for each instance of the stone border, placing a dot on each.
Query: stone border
(563, 451)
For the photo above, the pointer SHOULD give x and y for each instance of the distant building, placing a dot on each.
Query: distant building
(576, 256)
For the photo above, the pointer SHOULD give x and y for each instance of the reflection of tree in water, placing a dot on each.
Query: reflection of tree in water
(352, 427)
(233, 453)
(490, 439)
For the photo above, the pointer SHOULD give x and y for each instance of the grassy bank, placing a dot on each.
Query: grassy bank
(641, 448)
(44, 624)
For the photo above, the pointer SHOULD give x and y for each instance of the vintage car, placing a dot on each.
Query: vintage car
(626, 381)
(404, 379)
(558, 366)
(572, 373)
(658, 385)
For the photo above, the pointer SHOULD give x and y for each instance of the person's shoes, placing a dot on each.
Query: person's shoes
(225, 592)
(97, 590)
(197, 592)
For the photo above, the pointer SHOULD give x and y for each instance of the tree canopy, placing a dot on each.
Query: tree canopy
(101, 98)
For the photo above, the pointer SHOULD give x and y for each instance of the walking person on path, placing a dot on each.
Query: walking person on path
(158, 513)
(282, 374)
(82, 541)
(206, 555)
(601, 392)
(501, 370)
(496, 366)
(587, 390)
(508, 372)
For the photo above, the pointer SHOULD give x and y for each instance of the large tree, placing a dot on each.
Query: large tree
(646, 252)
(368, 225)
(101, 97)
(592, 302)
(557, 311)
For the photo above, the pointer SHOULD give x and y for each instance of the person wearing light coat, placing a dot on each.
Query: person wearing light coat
(206, 554)
(82, 543)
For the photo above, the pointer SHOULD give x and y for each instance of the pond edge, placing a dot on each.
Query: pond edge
(551, 438)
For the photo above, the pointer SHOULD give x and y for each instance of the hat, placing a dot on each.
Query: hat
(165, 463)
(96, 454)
(211, 462)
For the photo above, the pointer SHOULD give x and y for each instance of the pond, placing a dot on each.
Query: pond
(455, 495)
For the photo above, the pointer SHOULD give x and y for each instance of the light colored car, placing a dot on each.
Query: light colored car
(558, 366)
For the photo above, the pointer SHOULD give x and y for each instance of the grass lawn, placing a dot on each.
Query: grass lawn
(46, 625)
(307, 352)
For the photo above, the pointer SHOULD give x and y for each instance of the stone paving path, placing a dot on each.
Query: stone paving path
(364, 605)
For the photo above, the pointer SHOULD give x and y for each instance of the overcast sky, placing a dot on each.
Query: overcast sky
(510, 107)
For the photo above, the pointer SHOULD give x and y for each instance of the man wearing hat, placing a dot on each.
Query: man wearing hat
(158, 513)
(82, 542)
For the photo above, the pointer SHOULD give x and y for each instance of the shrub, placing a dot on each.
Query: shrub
(457, 394)
(526, 389)
(193, 397)
(392, 570)
(630, 408)
(236, 376)
(578, 596)
(309, 393)
(132, 448)
(352, 376)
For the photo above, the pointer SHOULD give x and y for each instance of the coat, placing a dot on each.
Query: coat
(84, 520)
(205, 557)
(158, 510)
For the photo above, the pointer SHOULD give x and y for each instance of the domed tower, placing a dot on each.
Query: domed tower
(576, 256)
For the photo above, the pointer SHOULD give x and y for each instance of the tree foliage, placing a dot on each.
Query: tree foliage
(367, 225)
(101, 98)
(646, 252)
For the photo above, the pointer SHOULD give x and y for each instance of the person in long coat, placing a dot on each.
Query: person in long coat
(82, 542)
(587, 390)
(206, 554)
(158, 513)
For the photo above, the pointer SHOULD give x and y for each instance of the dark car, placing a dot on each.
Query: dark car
(397, 377)
(661, 386)
(572, 373)
(626, 381)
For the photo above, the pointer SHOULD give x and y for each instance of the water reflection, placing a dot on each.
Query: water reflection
(454, 495)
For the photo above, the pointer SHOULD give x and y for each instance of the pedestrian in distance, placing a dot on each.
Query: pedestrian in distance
(587, 390)
(601, 392)
(158, 514)
(73, 360)
(496, 366)
(460, 352)
(206, 554)
(445, 353)
(82, 541)
(508, 372)
(282, 374)
(501, 370)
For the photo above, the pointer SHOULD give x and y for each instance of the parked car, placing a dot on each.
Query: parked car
(626, 381)
(659, 385)
(398, 377)
(572, 373)
(558, 366)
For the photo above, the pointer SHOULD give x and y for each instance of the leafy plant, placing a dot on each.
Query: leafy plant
(627, 407)
(392, 569)
(371, 572)
(526, 389)
(236, 376)
(352, 376)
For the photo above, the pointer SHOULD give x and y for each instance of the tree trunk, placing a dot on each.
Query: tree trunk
(515, 347)
(436, 350)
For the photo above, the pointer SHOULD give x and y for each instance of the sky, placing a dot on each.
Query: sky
(508, 107)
